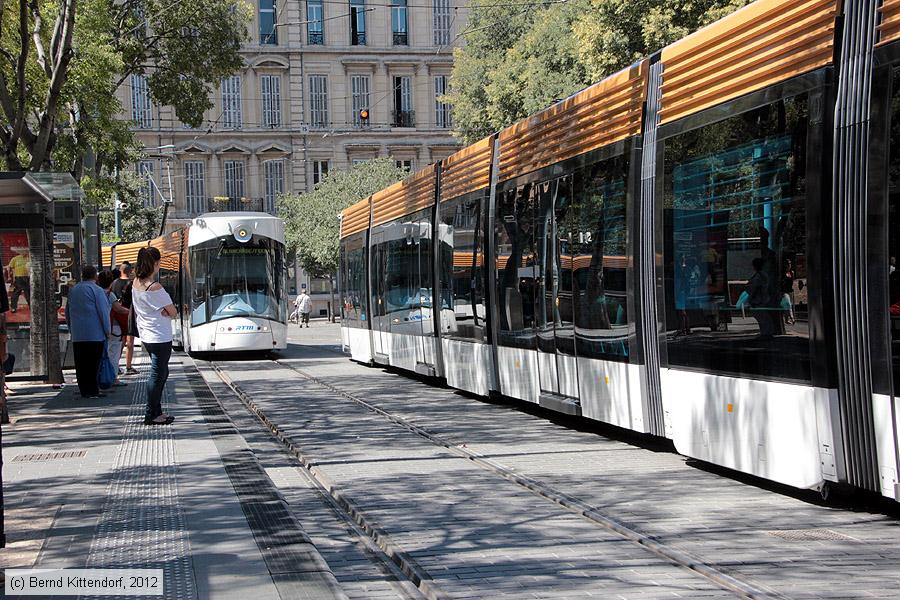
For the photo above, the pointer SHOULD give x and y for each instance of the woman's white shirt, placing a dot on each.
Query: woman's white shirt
(153, 326)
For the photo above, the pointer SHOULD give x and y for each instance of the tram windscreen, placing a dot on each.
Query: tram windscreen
(234, 279)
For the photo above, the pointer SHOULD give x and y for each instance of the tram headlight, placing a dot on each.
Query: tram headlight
(242, 234)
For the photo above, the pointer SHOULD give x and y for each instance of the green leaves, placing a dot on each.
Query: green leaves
(311, 220)
(518, 60)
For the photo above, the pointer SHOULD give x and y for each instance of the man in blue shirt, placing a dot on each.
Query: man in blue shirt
(87, 313)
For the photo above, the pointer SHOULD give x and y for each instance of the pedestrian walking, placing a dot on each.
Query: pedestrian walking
(304, 305)
(87, 314)
(153, 310)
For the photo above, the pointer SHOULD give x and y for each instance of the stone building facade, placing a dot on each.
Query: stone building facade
(295, 111)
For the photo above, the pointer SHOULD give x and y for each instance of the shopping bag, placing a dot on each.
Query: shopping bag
(106, 375)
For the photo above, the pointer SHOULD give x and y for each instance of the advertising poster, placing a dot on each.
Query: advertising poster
(16, 263)
(64, 269)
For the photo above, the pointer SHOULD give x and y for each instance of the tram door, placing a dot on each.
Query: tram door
(428, 304)
(554, 304)
(380, 322)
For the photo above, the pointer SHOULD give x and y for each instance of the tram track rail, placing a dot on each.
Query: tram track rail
(376, 548)
(740, 586)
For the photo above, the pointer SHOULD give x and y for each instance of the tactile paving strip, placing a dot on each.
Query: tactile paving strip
(143, 526)
(286, 549)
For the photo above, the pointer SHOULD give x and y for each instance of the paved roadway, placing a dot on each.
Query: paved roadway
(396, 452)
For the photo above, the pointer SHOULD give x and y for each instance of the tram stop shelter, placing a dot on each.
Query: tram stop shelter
(40, 247)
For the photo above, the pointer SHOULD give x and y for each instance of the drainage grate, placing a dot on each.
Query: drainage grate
(811, 535)
(49, 456)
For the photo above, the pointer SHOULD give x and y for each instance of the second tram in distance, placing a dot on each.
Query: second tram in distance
(226, 274)
(701, 247)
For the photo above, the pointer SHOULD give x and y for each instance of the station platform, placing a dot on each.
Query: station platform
(87, 485)
(310, 476)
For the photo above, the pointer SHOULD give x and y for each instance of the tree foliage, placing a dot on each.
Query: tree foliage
(311, 220)
(136, 221)
(62, 61)
(520, 59)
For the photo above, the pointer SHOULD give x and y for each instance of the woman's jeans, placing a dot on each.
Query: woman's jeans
(159, 373)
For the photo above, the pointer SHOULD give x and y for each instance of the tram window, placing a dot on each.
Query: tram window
(735, 252)
(598, 249)
(517, 273)
(353, 282)
(461, 237)
(893, 238)
(404, 286)
(238, 280)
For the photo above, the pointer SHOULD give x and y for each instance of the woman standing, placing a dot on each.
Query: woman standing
(153, 311)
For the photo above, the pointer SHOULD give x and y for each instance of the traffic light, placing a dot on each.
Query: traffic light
(364, 116)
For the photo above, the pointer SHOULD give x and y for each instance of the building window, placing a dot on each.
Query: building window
(320, 170)
(405, 164)
(442, 117)
(359, 85)
(267, 31)
(404, 116)
(315, 33)
(194, 187)
(441, 23)
(358, 22)
(232, 117)
(318, 100)
(145, 172)
(274, 172)
(271, 100)
(141, 106)
(358, 161)
(399, 22)
(234, 179)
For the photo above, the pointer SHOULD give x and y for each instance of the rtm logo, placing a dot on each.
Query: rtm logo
(245, 328)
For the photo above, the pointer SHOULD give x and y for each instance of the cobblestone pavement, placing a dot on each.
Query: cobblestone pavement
(86, 485)
(478, 535)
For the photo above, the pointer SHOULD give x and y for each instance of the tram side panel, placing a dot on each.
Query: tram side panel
(883, 238)
(743, 197)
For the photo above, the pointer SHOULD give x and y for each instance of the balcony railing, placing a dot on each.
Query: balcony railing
(404, 118)
(226, 204)
(358, 38)
(401, 38)
(315, 38)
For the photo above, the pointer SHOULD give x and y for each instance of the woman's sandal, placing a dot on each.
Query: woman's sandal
(160, 420)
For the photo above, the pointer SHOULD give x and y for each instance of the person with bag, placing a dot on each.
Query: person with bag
(87, 314)
(116, 315)
(5, 356)
(122, 289)
(153, 310)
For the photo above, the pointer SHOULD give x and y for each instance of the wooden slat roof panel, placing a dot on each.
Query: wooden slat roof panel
(468, 170)
(602, 114)
(355, 218)
(762, 44)
(414, 193)
(889, 28)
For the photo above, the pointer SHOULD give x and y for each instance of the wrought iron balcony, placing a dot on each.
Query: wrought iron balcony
(401, 38)
(358, 38)
(404, 118)
(226, 204)
(315, 38)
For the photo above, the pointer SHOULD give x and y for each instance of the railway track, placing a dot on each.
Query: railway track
(403, 560)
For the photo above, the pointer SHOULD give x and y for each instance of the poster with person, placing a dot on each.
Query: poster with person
(16, 262)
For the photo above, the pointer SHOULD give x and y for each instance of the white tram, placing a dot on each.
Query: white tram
(226, 274)
(701, 247)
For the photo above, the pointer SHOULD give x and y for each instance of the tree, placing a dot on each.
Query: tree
(520, 59)
(312, 228)
(61, 62)
(136, 220)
